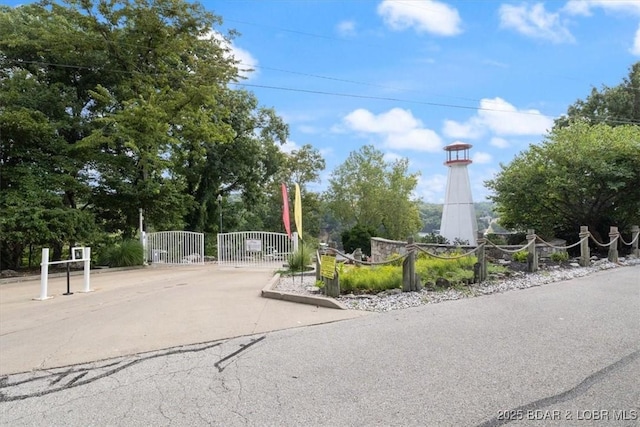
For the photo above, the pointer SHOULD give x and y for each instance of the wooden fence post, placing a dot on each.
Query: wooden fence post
(481, 274)
(585, 254)
(532, 257)
(613, 247)
(318, 265)
(635, 236)
(409, 269)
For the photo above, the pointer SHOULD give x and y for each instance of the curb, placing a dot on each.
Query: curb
(269, 292)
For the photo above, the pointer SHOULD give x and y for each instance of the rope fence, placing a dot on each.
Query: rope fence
(411, 281)
(464, 255)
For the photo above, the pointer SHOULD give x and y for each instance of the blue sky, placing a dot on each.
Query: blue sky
(421, 74)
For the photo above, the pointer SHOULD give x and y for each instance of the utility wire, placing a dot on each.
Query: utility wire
(338, 94)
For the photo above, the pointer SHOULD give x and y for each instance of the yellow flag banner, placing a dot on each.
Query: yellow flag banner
(297, 211)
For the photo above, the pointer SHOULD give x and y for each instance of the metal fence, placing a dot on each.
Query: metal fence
(174, 247)
(255, 248)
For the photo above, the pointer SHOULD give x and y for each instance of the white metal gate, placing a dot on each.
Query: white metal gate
(255, 248)
(174, 247)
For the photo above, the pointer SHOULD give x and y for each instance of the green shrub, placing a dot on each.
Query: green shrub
(125, 254)
(521, 256)
(358, 237)
(559, 256)
(434, 239)
(300, 258)
(496, 239)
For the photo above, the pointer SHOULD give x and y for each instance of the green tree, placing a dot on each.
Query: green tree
(302, 166)
(376, 194)
(431, 216)
(580, 175)
(238, 162)
(359, 237)
(618, 105)
(124, 105)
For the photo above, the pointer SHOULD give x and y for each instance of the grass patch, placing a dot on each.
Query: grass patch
(301, 258)
(370, 279)
(458, 272)
(126, 254)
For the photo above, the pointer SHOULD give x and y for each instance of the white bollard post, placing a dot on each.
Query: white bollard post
(44, 275)
(86, 256)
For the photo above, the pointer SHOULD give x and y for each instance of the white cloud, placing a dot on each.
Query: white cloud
(471, 129)
(584, 7)
(481, 157)
(503, 118)
(431, 188)
(390, 157)
(534, 21)
(577, 7)
(499, 142)
(289, 146)
(423, 15)
(497, 64)
(499, 117)
(326, 152)
(247, 62)
(635, 49)
(346, 28)
(398, 128)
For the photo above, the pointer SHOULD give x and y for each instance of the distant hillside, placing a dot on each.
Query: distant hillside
(431, 214)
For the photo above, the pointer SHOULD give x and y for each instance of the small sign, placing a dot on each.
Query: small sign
(253, 245)
(328, 266)
(77, 250)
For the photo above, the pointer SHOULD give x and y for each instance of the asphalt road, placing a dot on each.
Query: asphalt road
(558, 355)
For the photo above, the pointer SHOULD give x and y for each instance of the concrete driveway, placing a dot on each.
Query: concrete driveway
(140, 310)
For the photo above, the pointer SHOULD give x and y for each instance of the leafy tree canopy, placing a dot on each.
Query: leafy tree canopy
(618, 105)
(110, 107)
(581, 174)
(369, 191)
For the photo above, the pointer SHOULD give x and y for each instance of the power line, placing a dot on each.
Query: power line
(337, 94)
(408, 101)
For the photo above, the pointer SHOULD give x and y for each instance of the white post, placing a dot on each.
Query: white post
(294, 237)
(86, 256)
(44, 275)
(141, 218)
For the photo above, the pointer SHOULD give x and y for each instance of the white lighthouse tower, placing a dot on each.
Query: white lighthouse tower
(458, 214)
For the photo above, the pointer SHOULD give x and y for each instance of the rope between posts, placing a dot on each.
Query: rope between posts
(508, 251)
(562, 247)
(349, 257)
(602, 244)
(445, 257)
(632, 240)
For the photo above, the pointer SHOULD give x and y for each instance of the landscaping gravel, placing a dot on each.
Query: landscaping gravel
(395, 299)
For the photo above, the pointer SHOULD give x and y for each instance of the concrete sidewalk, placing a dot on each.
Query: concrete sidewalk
(140, 310)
